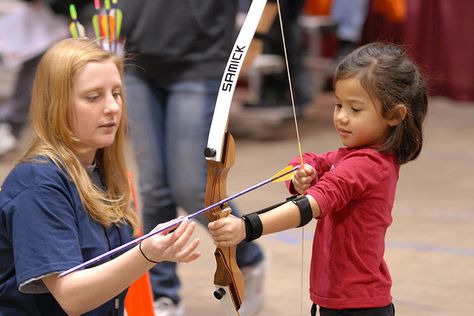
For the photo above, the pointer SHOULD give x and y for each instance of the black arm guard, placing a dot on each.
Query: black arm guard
(306, 214)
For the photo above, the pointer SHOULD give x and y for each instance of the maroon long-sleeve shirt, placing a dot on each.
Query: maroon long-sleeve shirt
(355, 190)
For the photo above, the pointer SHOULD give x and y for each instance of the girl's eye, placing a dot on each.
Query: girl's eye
(117, 94)
(338, 106)
(355, 110)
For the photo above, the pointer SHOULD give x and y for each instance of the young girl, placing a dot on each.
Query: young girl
(382, 102)
(68, 199)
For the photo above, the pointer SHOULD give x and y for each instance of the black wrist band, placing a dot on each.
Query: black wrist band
(306, 213)
(143, 254)
(248, 228)
(253, 226)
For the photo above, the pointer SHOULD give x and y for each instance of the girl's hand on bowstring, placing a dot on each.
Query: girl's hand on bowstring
(303, 178)
(173, 246)
(227, 231)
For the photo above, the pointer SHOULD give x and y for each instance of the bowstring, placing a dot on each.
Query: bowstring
(298, 139)
(289, 83)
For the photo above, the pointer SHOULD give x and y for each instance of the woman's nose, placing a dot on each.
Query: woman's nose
(112, 105)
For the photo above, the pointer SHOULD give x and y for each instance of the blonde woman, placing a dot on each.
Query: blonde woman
(68, 199)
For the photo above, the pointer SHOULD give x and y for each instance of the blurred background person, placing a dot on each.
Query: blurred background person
(177, 52)
(350, 16)
(274, 91)
(41, 13)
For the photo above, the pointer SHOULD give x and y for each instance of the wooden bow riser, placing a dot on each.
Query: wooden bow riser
(227, 273)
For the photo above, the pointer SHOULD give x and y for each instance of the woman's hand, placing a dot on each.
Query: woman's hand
(173, 246)
(303, 178)
(227, 231)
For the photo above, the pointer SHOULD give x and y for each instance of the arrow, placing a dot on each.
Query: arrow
(75, 28)
(282, 175)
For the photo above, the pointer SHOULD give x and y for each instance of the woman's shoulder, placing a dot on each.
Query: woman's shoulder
(38, 169)
(35, 172)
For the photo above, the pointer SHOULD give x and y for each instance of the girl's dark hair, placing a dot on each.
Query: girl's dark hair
(392, 78)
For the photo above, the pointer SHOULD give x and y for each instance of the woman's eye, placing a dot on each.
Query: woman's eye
(117, 94)
(355, 110)
(338, 106)
(92, 98)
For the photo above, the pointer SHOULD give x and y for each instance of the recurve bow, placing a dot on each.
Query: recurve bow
(219, 153)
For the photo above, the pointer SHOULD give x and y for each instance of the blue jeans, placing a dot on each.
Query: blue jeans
(169, 127)
(350, 16)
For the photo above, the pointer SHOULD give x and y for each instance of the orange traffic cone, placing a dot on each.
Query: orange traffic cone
(139, 299)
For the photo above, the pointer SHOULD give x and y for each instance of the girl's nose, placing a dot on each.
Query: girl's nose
(341, 116)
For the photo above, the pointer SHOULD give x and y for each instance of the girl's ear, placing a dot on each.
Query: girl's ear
(397, 115)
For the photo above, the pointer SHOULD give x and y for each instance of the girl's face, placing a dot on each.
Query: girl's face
(358, 118)
(96, 107)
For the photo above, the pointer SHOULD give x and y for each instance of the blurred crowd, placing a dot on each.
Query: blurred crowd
(334, 27)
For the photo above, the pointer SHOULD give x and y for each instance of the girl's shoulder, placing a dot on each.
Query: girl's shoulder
(365, 161)
(369, 153)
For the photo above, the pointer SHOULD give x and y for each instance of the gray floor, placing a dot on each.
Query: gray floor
(430, 246)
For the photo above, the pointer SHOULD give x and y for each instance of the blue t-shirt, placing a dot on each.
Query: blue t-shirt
(45, 229)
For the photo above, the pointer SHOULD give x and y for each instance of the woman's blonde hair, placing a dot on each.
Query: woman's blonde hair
(54, 138)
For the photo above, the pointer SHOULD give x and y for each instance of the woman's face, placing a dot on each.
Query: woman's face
(96, 107)
(357, 117)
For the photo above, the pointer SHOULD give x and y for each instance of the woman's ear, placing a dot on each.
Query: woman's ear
(397, 115)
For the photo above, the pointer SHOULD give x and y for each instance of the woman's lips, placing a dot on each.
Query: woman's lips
(110, 124)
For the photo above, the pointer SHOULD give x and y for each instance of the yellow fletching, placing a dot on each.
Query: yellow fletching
(73, 30)
(96, 26)
(287, 177)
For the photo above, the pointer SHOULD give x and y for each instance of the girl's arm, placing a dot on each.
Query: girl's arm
(286, 216)
(87, 289)
(231, 230)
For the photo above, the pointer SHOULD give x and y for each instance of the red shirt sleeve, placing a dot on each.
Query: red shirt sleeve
(352, 173)
(321, 163)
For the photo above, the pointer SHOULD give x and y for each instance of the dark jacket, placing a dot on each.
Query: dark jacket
(179, 39)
